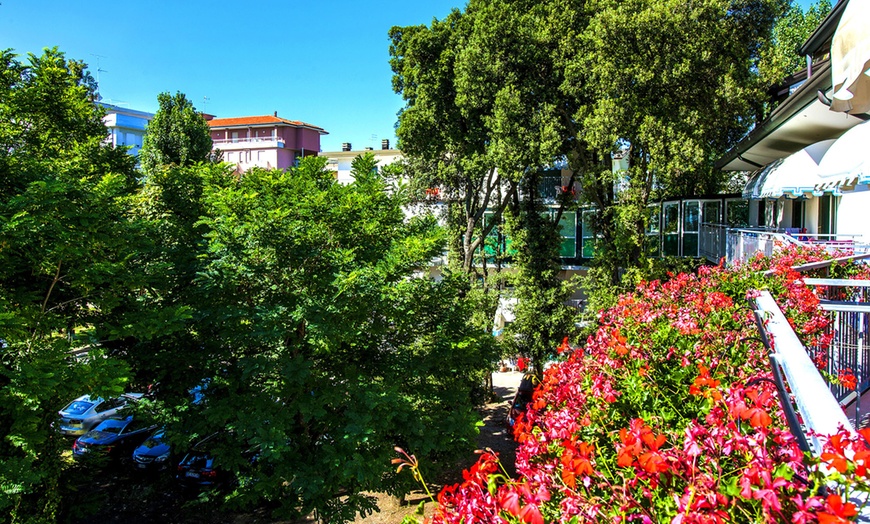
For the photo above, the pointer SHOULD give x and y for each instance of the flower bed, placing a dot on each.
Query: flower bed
(668, 413)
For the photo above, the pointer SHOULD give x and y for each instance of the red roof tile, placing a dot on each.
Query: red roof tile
(258, 120)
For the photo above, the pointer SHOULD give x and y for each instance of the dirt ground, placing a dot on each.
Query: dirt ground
(494, 434)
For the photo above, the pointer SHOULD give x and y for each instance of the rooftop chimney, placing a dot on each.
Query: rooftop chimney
(345, 146)
(385, 143)
(275, 113)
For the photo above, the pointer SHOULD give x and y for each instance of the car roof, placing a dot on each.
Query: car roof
(114, 423)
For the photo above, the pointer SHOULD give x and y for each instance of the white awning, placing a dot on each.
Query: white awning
(793, 176)
(847, 162)
(850, 60)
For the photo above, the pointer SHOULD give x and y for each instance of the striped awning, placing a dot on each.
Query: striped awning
(794, 176)
(847, 162)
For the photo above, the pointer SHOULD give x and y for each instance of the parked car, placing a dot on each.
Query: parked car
(521, 399)
(198, 468)
(154, 453)
(84, 413)
(113, 437)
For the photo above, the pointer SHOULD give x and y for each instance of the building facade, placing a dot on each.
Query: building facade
(126, 127)
(266, 141)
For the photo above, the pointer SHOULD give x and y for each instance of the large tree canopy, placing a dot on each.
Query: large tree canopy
(317, 347)
(291, 300)
(520, 84)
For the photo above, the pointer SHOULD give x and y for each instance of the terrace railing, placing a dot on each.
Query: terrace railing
(743, 244)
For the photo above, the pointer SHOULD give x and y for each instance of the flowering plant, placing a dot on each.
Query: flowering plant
(669, 413)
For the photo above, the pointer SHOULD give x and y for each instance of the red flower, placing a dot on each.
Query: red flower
(521, 363)
(837, 511)
(531, 514)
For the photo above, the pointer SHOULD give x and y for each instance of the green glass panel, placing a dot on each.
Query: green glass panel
(690, 244)
(671, 245)
(738, 213)
(671, 217)
(691, 216)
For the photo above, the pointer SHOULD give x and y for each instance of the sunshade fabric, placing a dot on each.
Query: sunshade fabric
(850, 60)
(793, 176)
(847, 161)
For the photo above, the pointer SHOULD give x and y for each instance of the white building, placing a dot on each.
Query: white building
(126, 127)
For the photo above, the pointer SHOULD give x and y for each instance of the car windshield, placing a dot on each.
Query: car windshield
(109, 429)
(78, 407)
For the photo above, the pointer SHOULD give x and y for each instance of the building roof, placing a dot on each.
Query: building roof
(823, 34)
(802, 119)
(265, 120)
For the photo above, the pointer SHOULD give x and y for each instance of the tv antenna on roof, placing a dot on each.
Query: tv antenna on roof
(99, 69)
(205, 100)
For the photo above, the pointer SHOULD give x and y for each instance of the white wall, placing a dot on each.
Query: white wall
(853, 213)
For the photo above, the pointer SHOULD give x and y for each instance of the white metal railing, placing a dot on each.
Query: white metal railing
(743, 244)
(712, 242)
(819, 410)
(246, 140)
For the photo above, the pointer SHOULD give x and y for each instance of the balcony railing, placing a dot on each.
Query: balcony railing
(742, 244)
(248, 140)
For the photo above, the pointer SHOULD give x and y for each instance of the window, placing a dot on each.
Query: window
(589, 236)
(691, 228)
(827, 215)
(671, 229)
(235, 136)
(797, 213)
(737, 212)
(568, 232)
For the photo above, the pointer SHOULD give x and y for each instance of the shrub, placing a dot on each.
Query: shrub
(668, 413)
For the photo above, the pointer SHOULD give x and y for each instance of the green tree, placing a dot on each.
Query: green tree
(675, 83)
(779, 56)
(177, 135)
(65, 252)
(483, 107)
(319, 350)
(541, 315)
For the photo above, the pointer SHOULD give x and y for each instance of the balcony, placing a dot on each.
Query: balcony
(741, 244)
(814, 405)
(229, 144)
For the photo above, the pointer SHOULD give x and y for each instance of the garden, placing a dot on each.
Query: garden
(668, 412)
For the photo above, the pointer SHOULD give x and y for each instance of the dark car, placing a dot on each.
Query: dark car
(521, 399)
(200, 468)
(153, 454)
(113, 438)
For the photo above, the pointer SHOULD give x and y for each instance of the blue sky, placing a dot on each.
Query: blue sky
(323, 62)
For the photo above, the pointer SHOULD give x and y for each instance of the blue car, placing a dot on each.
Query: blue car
(113, 438)
(153, 454)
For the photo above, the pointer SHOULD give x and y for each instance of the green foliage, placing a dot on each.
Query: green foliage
(542, 317)
(177, 135)
(65, 267)
(319, 349)
(779, 56)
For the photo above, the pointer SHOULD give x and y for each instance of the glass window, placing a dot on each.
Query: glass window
(710, 212)
(653, 229)
(671, 229)
(691, 227)
(568, 231)
(588, 239)
(737, 212)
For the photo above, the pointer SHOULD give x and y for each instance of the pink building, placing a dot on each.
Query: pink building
(264, 141)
